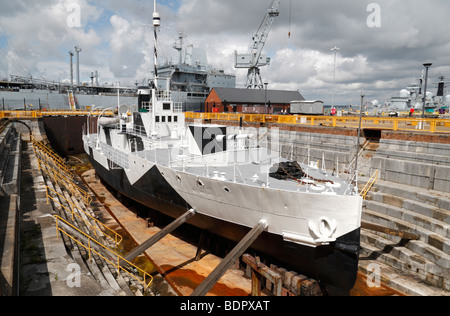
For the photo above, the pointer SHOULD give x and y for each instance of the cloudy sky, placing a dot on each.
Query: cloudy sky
(382, 46)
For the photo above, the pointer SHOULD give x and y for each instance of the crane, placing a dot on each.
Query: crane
(255, 59)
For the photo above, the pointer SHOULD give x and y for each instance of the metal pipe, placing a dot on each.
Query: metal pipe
(427, 66)
(78, 51)
(71, 67)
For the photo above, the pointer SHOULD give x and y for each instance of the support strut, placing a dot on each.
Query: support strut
(133, 254)
(238, 251)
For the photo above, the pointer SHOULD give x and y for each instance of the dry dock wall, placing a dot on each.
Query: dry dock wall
(337, 150)
(424, 163)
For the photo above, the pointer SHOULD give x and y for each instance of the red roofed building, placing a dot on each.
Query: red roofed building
(258, 101)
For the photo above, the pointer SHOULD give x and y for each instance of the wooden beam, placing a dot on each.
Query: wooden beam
(260, 270)
(389, 231)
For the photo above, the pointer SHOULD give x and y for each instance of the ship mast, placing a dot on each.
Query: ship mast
(156, 25)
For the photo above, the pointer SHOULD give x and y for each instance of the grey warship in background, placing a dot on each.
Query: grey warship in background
(28, 93)
(189, 79)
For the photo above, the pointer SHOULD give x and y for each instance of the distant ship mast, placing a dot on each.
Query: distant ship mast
(156, 25)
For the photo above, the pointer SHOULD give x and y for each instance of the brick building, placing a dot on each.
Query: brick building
(250, 101)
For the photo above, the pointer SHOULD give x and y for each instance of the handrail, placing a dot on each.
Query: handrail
(60, 179)
(370, 184)
(57, 160)
(61, 112)
(63, 175)
(388, 123)
(119, 264)
(117, 237)
(53, 170)
(46, 149)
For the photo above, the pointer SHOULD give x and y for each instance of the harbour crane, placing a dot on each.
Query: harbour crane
(255, 59)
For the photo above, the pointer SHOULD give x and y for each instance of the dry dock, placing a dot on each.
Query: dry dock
(406, 266)
(175, 258)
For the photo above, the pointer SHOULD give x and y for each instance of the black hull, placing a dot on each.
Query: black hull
(335, 265)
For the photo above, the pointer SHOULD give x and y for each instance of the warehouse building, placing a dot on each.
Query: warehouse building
(250, 101)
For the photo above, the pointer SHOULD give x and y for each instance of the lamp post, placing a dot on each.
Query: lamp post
(78, 51)
(335, 49)
(358, 144)
(427, 66)
(265, 97)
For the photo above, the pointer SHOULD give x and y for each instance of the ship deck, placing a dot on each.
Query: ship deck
(238, 167)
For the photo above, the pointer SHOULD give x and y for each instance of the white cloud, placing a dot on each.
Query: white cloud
(114, 41)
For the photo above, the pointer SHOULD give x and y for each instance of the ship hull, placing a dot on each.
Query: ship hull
(52, 100)
(334, 265)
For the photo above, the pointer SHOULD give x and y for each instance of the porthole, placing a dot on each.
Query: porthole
(178, 178)
(200, 183)
(226, 190)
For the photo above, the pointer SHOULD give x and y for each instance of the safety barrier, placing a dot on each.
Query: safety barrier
(91, 246)
(69, 200)
(46, 113)
(44, 153)
(370, 184)
(67, 183)
(388, 123)
(117, 238)
(55, 167)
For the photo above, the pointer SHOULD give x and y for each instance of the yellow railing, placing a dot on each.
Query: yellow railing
(370, 184)
(47, 150)
(388, 123)
(117, 239)
(39, 114)
(42, 151)
(57, 170)
(61, 179)
(396, 124)
(20, 114)
(119, 263)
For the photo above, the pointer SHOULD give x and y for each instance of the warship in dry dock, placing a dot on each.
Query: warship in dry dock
(232, 182)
